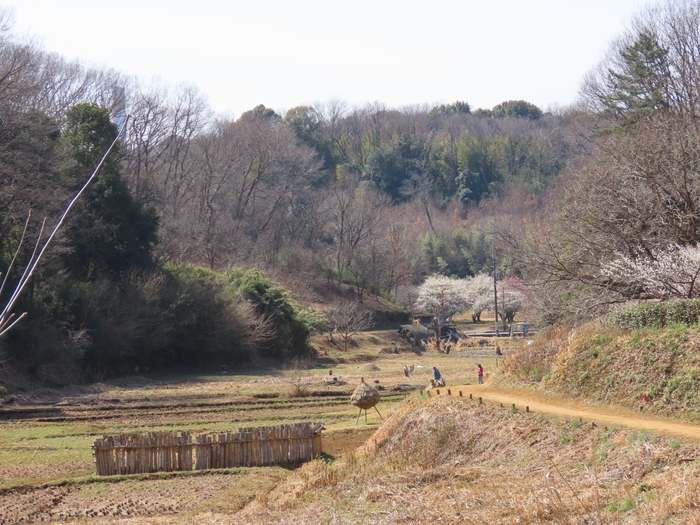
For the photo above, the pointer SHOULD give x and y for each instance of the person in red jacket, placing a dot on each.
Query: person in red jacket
(480, 374)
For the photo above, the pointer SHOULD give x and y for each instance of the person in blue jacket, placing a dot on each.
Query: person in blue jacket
(436, 374)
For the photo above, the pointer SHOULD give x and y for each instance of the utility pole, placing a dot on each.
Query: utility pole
(495, 291)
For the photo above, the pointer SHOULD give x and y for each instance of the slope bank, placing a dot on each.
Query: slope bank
(446, 460)
(648, 370)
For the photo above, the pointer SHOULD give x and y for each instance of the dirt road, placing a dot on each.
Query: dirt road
(557, 406)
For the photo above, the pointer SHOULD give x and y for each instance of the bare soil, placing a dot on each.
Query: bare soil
(569, 409)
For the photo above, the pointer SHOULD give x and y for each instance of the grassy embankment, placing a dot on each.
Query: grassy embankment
(448, 460)
(648, 369)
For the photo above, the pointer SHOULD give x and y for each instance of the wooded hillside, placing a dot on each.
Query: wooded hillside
(576, 204)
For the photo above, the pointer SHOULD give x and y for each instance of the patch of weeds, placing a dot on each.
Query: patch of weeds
(655, 389)
(648, 496)
(90, 491)
(443, 434)
(640, 437)
(601, 339)
(536, 372)
(664, 368)
(566, 439)
(635, 339)
(621, 506)
(576, 424)
(647, 493)
(682, 387)
(675, 445)
(607, 359)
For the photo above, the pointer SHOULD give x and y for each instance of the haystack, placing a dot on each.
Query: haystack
(365, 397)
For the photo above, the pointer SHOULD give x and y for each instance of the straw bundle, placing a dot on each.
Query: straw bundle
(365, 396)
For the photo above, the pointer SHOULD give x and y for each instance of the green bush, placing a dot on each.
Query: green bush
(658, 315)
(182, 316)
(271, 300)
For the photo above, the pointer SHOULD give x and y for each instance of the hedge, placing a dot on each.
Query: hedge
(658, 315)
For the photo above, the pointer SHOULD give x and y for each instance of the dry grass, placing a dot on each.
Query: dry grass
(449, 461)
(532, 362)
(439, 460)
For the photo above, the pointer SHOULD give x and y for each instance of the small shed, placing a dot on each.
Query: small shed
(423, 319)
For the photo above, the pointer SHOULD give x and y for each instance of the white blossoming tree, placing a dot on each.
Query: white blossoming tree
(511, 297)
(672, 273)
(479, 294)
(443, 297)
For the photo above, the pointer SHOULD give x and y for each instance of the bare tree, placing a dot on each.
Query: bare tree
(296, 375)
(244, 177)
(400, 270)
(162, 127)
(421, 187)
(348, 318)
(352, 216)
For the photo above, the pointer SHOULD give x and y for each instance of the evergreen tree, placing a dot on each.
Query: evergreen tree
(639, 83)
(111, 232)
(516, 109)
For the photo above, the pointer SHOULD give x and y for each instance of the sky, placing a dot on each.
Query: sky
(287, 53)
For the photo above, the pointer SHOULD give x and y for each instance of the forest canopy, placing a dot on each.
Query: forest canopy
(206, 234)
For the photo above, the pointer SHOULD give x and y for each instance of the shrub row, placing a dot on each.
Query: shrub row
(658, 315)
(180, 316)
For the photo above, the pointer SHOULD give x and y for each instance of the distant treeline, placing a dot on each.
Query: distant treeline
(371, 197)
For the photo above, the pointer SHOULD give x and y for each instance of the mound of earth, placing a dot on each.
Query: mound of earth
(369, 367)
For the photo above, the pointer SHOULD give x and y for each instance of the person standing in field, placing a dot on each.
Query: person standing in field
(480, 374)
(438, 379)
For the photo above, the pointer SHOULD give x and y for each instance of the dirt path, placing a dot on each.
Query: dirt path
(566, 408)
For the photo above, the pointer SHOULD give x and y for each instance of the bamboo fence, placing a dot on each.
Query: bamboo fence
(170, 451)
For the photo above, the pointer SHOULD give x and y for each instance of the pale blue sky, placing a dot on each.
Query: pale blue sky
(287, 53)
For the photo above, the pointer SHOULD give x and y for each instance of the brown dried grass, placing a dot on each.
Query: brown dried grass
(296, 391)
(445, 460)
(533, 361)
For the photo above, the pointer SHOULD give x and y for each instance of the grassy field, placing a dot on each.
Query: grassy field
(46, 462)
(435, 459)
